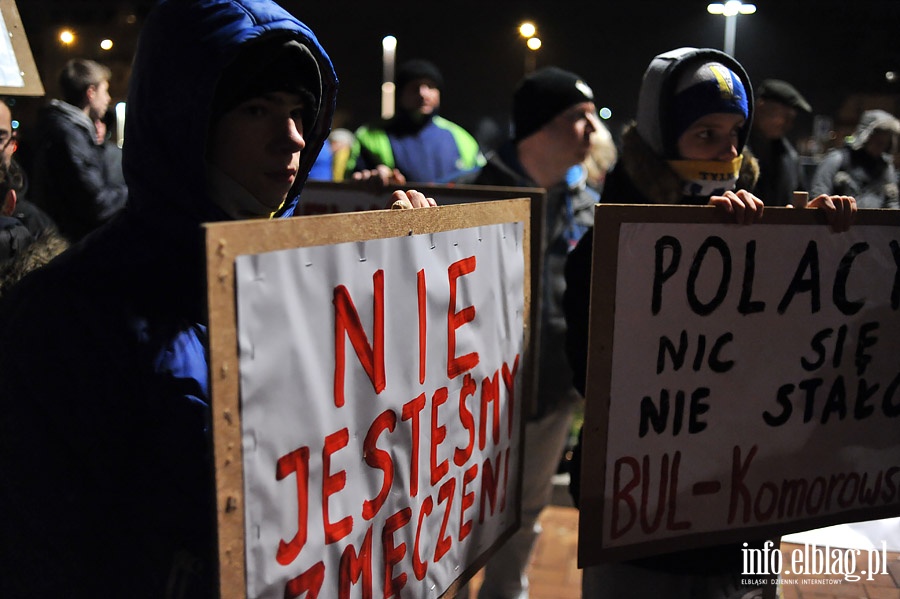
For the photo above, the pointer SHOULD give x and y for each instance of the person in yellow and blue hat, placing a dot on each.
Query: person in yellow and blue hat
(687, 146)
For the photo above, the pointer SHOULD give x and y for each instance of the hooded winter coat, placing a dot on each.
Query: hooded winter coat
(104, 434)
(853, 171)
(642, 176)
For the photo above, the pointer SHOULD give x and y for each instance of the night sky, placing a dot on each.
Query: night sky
(829, 49)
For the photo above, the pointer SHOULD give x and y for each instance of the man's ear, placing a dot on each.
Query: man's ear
(9, 203)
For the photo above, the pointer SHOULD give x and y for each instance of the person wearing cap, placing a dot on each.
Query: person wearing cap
(780, 173)
(416, 144)
(864, 166)
(693, 119)
(554, 119)
(105, 439)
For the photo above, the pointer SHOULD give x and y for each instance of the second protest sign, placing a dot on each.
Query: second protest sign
(744, 381)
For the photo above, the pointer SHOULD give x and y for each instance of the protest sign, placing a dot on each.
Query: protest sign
(744, 381)
(366, 374)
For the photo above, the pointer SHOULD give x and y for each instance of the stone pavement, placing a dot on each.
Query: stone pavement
(553, 573)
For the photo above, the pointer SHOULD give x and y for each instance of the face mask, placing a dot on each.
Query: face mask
(705, 178)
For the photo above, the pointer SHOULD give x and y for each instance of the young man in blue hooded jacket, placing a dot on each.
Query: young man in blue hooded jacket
(104, 436)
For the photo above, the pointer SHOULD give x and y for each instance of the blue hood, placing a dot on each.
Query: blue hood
(173, 81)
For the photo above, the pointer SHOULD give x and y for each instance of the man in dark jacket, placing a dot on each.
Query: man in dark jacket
(104, 440)
(72, 179)
(554, 116)
(15, 235)
(37, 221)
(28, 237)
(780, 173)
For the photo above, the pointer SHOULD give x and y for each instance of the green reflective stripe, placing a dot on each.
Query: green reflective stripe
(376, 144)
(469, 154)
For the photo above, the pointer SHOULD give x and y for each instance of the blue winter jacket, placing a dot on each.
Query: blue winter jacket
(106, 480)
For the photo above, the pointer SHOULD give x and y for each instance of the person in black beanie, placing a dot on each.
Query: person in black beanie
(417, 144)
(554, 117)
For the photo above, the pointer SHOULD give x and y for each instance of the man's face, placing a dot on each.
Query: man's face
(7, 144)
(420, 96)
(98, 100)
(258, 145)
(569, 133)
(773, 119)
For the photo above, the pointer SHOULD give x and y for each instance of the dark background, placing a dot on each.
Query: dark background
(836, 52)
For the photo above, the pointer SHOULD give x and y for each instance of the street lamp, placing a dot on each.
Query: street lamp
(730, 10)
(389, 52)
(528, 30)
(67, 37)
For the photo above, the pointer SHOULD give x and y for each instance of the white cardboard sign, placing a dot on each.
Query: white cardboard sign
(752, 381)
(381, 408)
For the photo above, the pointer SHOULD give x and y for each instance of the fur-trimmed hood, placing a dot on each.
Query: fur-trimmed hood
(872, 121)
(653, 179)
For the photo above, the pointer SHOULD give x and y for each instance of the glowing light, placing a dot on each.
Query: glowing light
(388, 60)
(527, 29)
(120, 124)
(731, 8)
(605, 113)
(66, 36)
(533, 43)
(106, 44)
